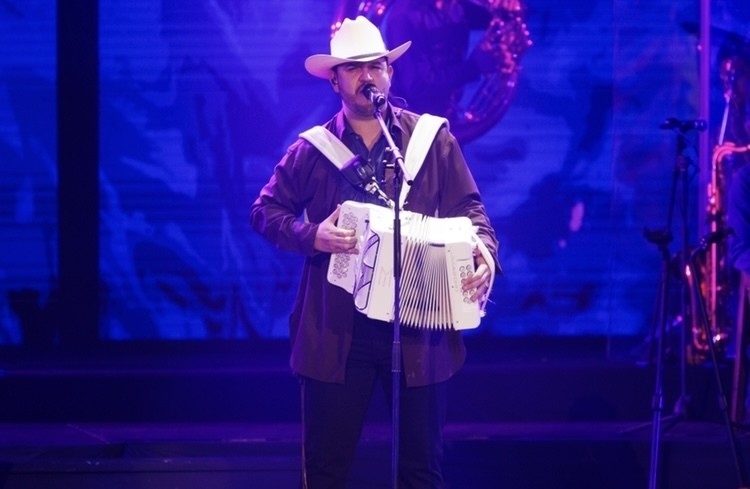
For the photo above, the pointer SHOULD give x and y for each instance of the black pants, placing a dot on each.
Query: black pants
(334, 415)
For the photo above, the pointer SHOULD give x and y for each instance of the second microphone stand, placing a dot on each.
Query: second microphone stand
(662, 238)
(399, 176)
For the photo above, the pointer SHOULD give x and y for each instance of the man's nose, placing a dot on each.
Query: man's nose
(364, 73)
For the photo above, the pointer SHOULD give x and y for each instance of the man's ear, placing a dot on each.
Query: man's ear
(334, 83)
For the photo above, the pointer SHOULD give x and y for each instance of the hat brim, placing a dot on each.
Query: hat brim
(320, 65)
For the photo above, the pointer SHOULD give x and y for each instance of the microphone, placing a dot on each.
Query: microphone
(672, 123)
(374, 95)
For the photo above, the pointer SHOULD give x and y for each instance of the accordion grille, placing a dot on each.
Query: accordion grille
(425, 300)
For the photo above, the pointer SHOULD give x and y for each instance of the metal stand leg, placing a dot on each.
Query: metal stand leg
(723, 405)
(657, 401)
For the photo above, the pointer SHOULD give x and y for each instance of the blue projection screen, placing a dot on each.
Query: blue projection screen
(28, 163)
(200, 99)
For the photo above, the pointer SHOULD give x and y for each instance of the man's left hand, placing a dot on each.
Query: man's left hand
(479, 282)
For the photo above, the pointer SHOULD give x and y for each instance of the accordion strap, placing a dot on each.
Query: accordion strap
(328, 144)
(420, 143)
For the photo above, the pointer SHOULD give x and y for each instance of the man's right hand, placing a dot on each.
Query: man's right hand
(332, 239)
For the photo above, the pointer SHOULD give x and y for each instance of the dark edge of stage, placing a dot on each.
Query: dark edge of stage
(524, 413)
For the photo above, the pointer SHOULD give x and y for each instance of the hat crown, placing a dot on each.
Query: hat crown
(357, 38)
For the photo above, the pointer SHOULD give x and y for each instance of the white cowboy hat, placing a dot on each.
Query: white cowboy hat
(356, 40)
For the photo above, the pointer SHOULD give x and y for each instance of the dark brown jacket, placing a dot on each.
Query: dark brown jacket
(306, 183)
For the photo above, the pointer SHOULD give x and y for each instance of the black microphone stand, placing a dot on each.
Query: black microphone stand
(662, 238)
(399, 175)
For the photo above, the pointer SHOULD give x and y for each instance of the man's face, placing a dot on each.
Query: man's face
(348, 80)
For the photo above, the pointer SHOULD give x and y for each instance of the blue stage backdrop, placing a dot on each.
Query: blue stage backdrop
(28, 161)
(199, 101)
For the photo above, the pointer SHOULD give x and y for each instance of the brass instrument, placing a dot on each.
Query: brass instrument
(507, 37)
(504, 41)
(715, 285)
(714, 280)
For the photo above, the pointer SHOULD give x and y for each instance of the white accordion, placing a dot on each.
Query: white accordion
(436, 254)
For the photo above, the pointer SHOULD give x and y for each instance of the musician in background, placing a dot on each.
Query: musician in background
(339, 354)
(438, 68)
(440, 64)
(738, 219)
(735, 152)
(733, 156)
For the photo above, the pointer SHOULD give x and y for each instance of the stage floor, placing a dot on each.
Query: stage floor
(521, 416)
(596, 455)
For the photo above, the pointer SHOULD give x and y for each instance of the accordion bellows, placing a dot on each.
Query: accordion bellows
(436, 253)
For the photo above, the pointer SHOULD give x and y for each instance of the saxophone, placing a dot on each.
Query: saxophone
(714, 280)
(716, 274)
